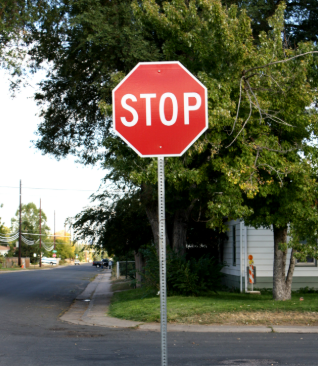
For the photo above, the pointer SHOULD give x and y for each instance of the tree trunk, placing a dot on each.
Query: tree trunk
(139, 265)
(152, 214)
(180, 226)
(282, 283)
(179, 235)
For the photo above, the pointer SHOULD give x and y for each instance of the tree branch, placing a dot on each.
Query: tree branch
(277, 172)
(279, 62)
(238, 107)
(244, 122)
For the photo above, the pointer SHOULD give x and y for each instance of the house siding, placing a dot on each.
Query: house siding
(260, 244)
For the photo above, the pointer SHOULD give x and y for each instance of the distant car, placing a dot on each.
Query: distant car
(51, 261)
(103, 262)
(76, 262)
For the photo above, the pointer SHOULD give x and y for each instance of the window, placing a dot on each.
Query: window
(234, 245)
(309, 262)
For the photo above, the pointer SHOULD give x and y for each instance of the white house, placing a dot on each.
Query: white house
(244, 241)
(4, 250)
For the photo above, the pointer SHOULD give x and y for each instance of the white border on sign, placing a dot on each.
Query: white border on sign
(206, 109)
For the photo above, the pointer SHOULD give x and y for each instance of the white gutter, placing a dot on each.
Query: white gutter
(245, 259)
(241, 256)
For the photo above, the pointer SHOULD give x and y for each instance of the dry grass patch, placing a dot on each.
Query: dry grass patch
(251, 318)
(121, 285)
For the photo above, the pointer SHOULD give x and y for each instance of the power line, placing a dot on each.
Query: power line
(64, 189)
(54, 189)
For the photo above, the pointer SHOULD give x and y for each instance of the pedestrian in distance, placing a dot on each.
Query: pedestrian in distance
(110, 264)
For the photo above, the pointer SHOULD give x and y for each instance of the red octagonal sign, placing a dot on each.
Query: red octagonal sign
(160, 109)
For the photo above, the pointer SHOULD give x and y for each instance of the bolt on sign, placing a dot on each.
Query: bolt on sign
(160, 109)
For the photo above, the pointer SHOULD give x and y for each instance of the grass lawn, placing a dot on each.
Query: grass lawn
(10, 269)
(121, 285)
(222, 308)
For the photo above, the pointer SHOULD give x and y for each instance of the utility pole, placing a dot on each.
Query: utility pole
(54, 230)
(40, 237)
(20, 228)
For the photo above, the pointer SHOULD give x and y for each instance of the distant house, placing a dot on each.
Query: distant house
(244, 241)
(4, 250)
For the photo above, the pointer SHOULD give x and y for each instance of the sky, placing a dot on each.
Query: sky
(72, 182)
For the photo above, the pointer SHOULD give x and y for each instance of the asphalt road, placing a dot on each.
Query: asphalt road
(32, 334)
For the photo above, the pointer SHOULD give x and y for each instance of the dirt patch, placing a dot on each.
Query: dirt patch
(252, 318)
(121, 286)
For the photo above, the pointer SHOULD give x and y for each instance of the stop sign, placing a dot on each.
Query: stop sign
(160, 109)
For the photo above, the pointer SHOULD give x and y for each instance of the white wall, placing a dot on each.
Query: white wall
(260, 244)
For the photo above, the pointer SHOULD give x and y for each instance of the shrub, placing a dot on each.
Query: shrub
(184, 277)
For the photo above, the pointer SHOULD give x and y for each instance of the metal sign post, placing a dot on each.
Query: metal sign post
(141, 118)
(162, 259)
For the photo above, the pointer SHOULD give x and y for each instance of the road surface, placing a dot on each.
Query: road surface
(31, 333)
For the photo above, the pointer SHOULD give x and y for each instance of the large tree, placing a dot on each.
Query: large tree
(88, 45)
(17, 18)
(263, 120)
(3, 229)
(30, 228)
(117, 226)
(260, 94)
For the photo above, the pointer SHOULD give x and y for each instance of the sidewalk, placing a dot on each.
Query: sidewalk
(90, 308)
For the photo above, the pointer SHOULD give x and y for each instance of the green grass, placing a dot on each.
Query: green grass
(136, 305)
(10, 269)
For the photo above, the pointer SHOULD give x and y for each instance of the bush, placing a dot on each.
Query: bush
(184, 277)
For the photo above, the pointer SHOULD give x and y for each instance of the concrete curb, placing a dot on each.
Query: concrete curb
(90, 308)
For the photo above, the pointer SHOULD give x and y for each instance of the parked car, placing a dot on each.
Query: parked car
(76, 262)
(99, 263)
(51, 261)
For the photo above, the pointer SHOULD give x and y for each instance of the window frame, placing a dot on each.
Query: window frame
(234, 245)
(306, 264)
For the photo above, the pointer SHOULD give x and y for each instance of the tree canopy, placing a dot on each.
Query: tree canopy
(259, 149)
(118, 226)
(30, 224)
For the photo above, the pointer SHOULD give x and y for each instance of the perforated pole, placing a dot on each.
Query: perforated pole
(162, 258)
(20, 226)
(40, 236)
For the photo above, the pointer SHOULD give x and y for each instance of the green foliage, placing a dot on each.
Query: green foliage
(79, 252)
(300, 18)
(64, 250)
(17, 19)
(2, 260)
(184, 277)
(307, 290)
(12, 251)
(3, 229)
(117, 226)
(256, 159)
